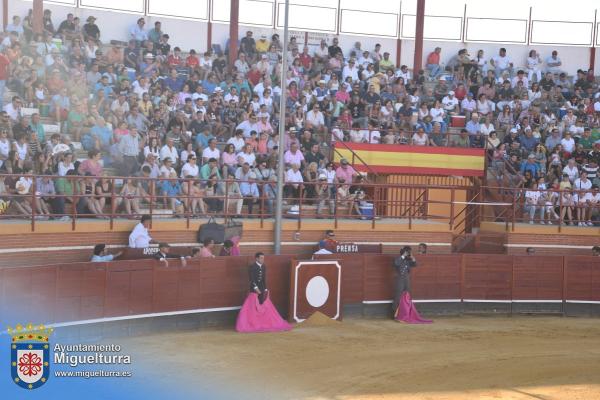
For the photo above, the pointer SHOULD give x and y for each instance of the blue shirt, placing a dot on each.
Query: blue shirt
(249, 189)
(174, 84)
(473, 127)
(202, 140)
(102, 133)
(171, 190)
(526, 166)
(528, 143)
(108, 257)
(108, 90)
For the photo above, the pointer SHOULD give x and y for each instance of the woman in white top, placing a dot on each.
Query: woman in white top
(190, 168)
(367, 73)
(533, 66)
(189, 150)
(21, 147)
(535, 92)
(482, 63)
(66, 164)
(420, 138)
(438, 114)
(152, 148)
(484, 106)
(487, 127)
(423, 112)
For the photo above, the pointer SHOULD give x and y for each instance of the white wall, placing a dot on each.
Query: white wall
(189, 34)
(186, 34)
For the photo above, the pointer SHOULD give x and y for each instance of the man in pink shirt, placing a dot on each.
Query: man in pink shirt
(345, 171)
(293, 155)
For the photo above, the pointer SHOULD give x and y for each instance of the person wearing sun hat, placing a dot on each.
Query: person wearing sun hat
(90, 29)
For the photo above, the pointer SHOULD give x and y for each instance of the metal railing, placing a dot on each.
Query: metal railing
(191, 199)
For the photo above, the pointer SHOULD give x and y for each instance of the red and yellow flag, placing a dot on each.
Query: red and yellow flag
(420, 160)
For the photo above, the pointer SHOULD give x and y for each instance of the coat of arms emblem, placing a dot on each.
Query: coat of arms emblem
(30, 355)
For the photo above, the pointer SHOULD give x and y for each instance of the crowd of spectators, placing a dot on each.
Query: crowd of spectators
(143, 108)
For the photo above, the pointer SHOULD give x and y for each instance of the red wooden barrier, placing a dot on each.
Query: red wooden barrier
(487, 277)
(81, 291)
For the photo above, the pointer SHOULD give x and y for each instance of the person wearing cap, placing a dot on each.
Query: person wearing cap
(530, 165)
(345, 171)
(101, 255)
(164, 253)
(262, 45)
(166, 168)
(90, 29)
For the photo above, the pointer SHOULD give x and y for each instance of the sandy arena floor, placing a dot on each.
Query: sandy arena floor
(455, 358)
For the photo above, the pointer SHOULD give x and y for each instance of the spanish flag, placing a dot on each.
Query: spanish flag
(418, 160)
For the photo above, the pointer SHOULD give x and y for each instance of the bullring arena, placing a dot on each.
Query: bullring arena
(315, 199)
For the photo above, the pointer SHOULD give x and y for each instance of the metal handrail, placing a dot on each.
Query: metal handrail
(224, 199)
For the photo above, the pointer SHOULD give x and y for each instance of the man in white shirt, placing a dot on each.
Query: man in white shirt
(553, 63)
(4, 146)
(169, 151)
(502, 62)
(468, 105)
(365, 60)
(315, 119)
(594, 203)
(450, 103)
(350, 70)
(532, 199)
(520, 78)
(211, 151)
(249, 125)
(139, 237)
(13, 109)
(404, 73)
(322, 52)
(237, 140)
(293, 181)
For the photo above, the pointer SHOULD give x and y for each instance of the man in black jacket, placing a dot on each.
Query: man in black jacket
(403, 265)
(258, 277)
(164, 253)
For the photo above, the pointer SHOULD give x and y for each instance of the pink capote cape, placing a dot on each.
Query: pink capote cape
(407, 312)
(256, 317)
(235, 250)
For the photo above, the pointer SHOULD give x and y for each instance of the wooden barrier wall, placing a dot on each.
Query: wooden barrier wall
(82, 291)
